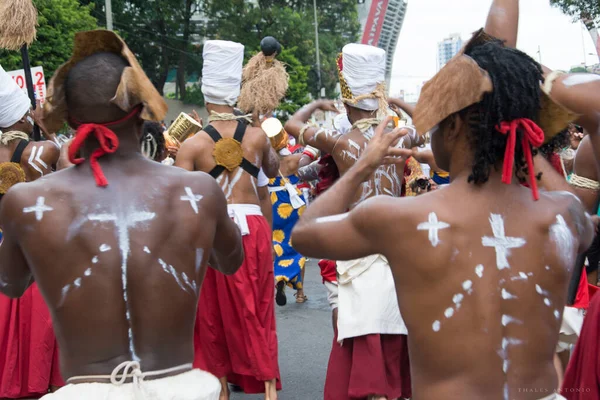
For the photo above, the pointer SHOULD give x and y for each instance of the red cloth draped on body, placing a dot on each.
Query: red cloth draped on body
(235, 333)
(29, 362)
(582, 378)
(366, 365)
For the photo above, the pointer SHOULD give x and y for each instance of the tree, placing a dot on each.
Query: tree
(297, 94)
(58, 20)
(291, 22)
(581, 9)
(158, 32)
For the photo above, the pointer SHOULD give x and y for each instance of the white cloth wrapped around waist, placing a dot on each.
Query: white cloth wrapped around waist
(367, 299)
(295, 198)
(332, 294)
(190, 385)
(239, 212)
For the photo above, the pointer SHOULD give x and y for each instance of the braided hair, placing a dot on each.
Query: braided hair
(152, 140)
(516, 80)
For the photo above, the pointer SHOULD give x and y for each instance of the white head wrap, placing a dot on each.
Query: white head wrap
(363, 70)
(14, 104)
(222, 72)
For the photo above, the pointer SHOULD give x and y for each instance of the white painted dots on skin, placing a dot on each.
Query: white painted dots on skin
(507, 319)
(104, 248)
(541, 291)
(95, 260)
(457, 299)
(479, 270)
(449, 312)
(39, 209)
(501, 242)
(547, 268)
(332, 218)
(547, 302)
(556, 314)
(467, 285)
(508, 296)
(436, 326)
(88, 272)
(433, 225)
(146, 249)
(192, 198)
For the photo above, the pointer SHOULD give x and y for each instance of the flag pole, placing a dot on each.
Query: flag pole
(29, 84)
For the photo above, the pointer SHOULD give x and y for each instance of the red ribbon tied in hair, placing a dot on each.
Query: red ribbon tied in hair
(109, 143)
(533, 135)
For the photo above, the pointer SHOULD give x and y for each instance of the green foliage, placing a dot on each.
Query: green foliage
(578, 70)
(297, 94)
(292, 23)
(58, 20)
(193, 95)
(584, 9)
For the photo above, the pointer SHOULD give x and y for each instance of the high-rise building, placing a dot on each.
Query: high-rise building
(381, 22)
(447, 49)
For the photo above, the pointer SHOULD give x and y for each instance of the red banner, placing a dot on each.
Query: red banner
(375, 22)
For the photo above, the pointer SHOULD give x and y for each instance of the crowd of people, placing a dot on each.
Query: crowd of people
(139, 264)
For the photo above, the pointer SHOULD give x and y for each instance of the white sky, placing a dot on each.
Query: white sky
(428, 22)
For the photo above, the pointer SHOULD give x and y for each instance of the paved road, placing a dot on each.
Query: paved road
(305, 335)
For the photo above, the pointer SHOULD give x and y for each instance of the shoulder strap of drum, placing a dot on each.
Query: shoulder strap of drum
(215, 136)
(246, 165)
(16, 157)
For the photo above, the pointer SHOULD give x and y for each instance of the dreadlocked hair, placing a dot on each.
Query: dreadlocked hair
(557, 144)
(152, 140)
(516, 81)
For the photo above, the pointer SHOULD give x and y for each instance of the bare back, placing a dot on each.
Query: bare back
(238, 185)
(387, 180)
(484, 290)
(37, 158)
(120, 267)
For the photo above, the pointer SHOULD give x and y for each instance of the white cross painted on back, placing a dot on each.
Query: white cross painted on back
(501, 242)
(192, 198)
(433, 226)
(123, 222)
(39, 209)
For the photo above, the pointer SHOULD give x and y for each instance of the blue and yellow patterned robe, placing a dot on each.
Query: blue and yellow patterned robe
(288, 262)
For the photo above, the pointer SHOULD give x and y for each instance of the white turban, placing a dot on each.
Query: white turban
(222, 72)
(14, 104)
(363, 70)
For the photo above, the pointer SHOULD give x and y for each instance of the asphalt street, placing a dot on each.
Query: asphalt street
(305, 336)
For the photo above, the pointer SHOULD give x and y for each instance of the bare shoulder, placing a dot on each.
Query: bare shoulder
(564, 206)
(385, 215)
(193, 186)
(17, 198)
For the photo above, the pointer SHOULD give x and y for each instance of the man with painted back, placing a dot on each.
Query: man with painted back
(106, 248)
(483, 304)
(368, 315)
(236, 339)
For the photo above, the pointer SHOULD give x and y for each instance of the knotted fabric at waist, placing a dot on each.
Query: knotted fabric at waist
(239, 212)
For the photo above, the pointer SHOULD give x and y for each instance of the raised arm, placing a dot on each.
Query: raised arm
(503, 21)
(402, 105)
(15, 275)
(270, 165)
(580, 93)
(320, 138)
(228, 252)
(325, 231)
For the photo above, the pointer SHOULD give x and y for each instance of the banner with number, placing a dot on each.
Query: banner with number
(39, 81)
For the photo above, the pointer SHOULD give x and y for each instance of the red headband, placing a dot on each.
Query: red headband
(109, 143)
(533, 135)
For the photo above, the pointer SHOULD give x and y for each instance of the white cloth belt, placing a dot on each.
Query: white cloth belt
(292, 190)
(131, 369)
(239, 212)
(367, 299)
(187, 385)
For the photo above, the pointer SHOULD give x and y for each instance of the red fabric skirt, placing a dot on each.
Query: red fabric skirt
(28, 350)
(368, 365)
(582, 378)
(235, 333)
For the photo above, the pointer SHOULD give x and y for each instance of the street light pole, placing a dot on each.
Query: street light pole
(109, 16)
(317, 46)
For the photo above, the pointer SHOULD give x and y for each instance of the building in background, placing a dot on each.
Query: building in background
(447, 49)
(381, 23)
